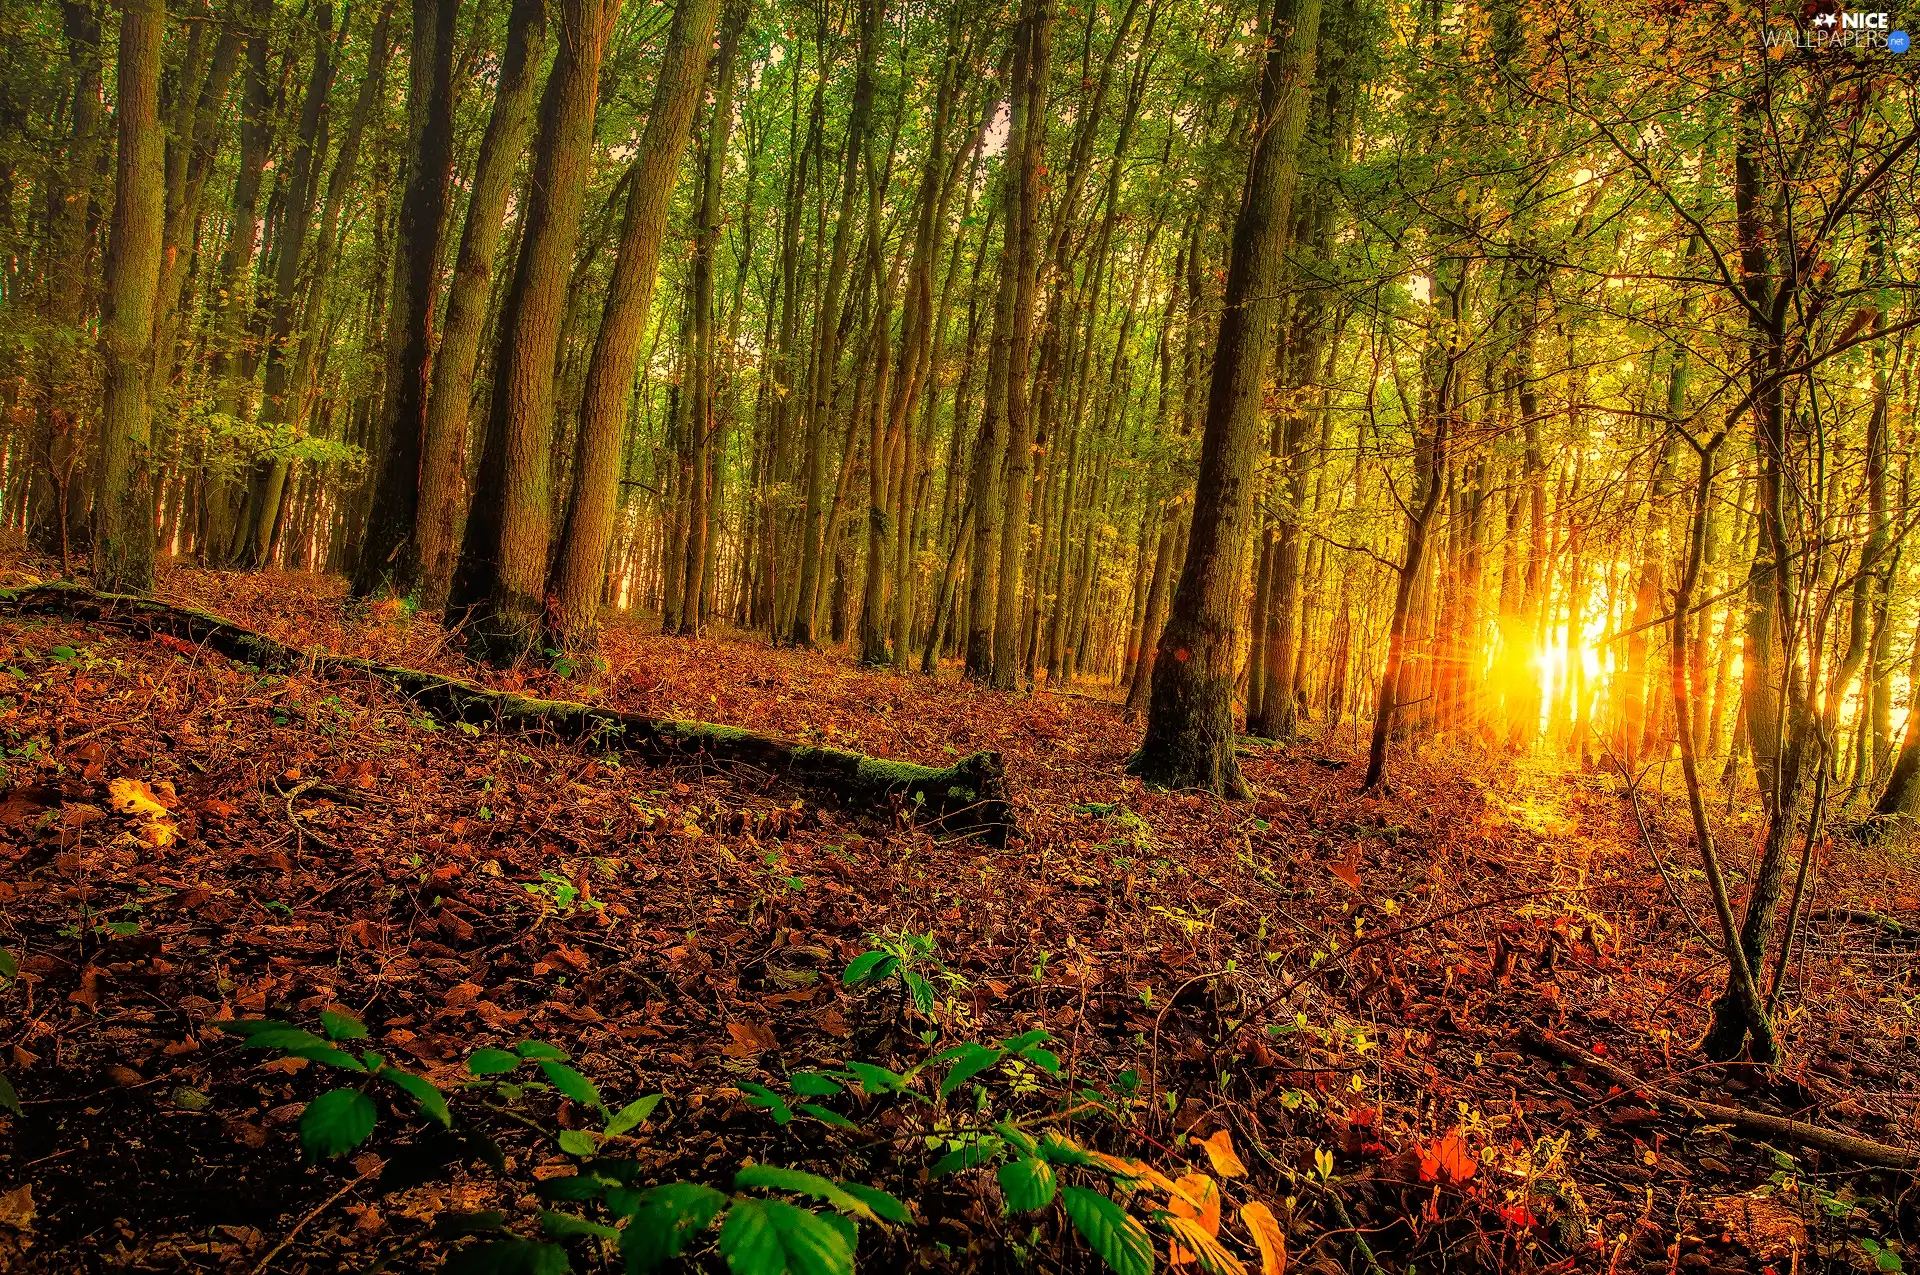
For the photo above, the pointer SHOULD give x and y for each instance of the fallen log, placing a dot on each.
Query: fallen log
(1844, 1145)
(968, 797)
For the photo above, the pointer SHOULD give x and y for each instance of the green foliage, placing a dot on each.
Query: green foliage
(905, 958)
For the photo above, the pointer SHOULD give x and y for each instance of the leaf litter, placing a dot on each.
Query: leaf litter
(1319, 995)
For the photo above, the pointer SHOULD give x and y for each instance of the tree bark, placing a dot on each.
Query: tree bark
(573, 588)
(1189, 741)
(444, 447)
(497, 590)
(389, 552)
(123, 530)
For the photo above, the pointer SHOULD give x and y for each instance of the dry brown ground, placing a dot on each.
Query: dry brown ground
(337, 848)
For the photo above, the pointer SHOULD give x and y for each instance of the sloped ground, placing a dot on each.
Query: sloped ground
(1339, 981)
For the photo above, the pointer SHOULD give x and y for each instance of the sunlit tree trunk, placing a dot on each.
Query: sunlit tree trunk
(123, 507)
(444, 444)
(1189, 741)
(497, 587)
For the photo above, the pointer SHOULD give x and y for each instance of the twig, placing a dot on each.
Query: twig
(314, 1212)
(1846, 1145)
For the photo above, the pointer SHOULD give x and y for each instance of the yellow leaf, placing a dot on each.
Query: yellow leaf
(1195, 1196)
(1219, 1149)
(1134, 1174)
(131, 797)
(1267, 1234)
(1213, 1258)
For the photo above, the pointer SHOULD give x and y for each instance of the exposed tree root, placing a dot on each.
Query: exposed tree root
(967, 797)
(1844, 1145)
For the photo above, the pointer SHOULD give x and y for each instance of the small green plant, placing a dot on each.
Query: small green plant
(761, 1230)
(904, 958)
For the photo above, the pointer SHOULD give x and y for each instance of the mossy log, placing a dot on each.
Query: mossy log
(968, 797)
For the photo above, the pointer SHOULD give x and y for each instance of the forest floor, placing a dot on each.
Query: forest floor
(1342, 982)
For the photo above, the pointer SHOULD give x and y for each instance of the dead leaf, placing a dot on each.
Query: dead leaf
(749, 1039)
(16, 1208)
(1267, 1233)
(133, 797)
(1219, 1149)
(1447, 1161)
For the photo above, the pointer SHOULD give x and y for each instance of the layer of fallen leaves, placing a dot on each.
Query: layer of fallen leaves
(1329, 985)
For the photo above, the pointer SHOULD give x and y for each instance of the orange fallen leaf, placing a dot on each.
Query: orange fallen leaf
(749, 1039)
(1267, 1234)
(1447, 1161)
(1219, 1149)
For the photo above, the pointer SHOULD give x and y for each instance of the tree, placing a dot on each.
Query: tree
(574, 586)
(498, 586)
(1189, 741)
(123, 522)
(390, 553)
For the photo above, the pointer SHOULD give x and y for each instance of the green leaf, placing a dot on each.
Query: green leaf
(826, 1115)
(813, 1084)
(342, 1026)
(492, 1062)
(1122, 1243)
(423, 1091)
(633, 1114)
(1056, 1149)
(564, 1225)
(848, 1228)
(768, 1237)
(578, 1142)
(510, 1257)
(249, 1027)
(971, 1156)
(921, 990)
(1027, 1183)
(288, 1038)
(1025, 1040)
(885, 1206)
(971, 1063)
(9, 968)
(767, 1100)
(336, 1122)
(771, 1177)
(665, 1219)
(572, 1083)
(9, 1099)
(539, 1049)
(576, 1187)
(1045, 1059)
(876, 1080)
(865, 968)
(327, 1054)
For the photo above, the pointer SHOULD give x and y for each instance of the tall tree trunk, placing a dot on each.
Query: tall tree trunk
(444, 447)
(574, 585)
(1189, 741)
(389, 553)
(1026, 147)
(497, 588)
(123, 506)
(826, 348)
(700, 503)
